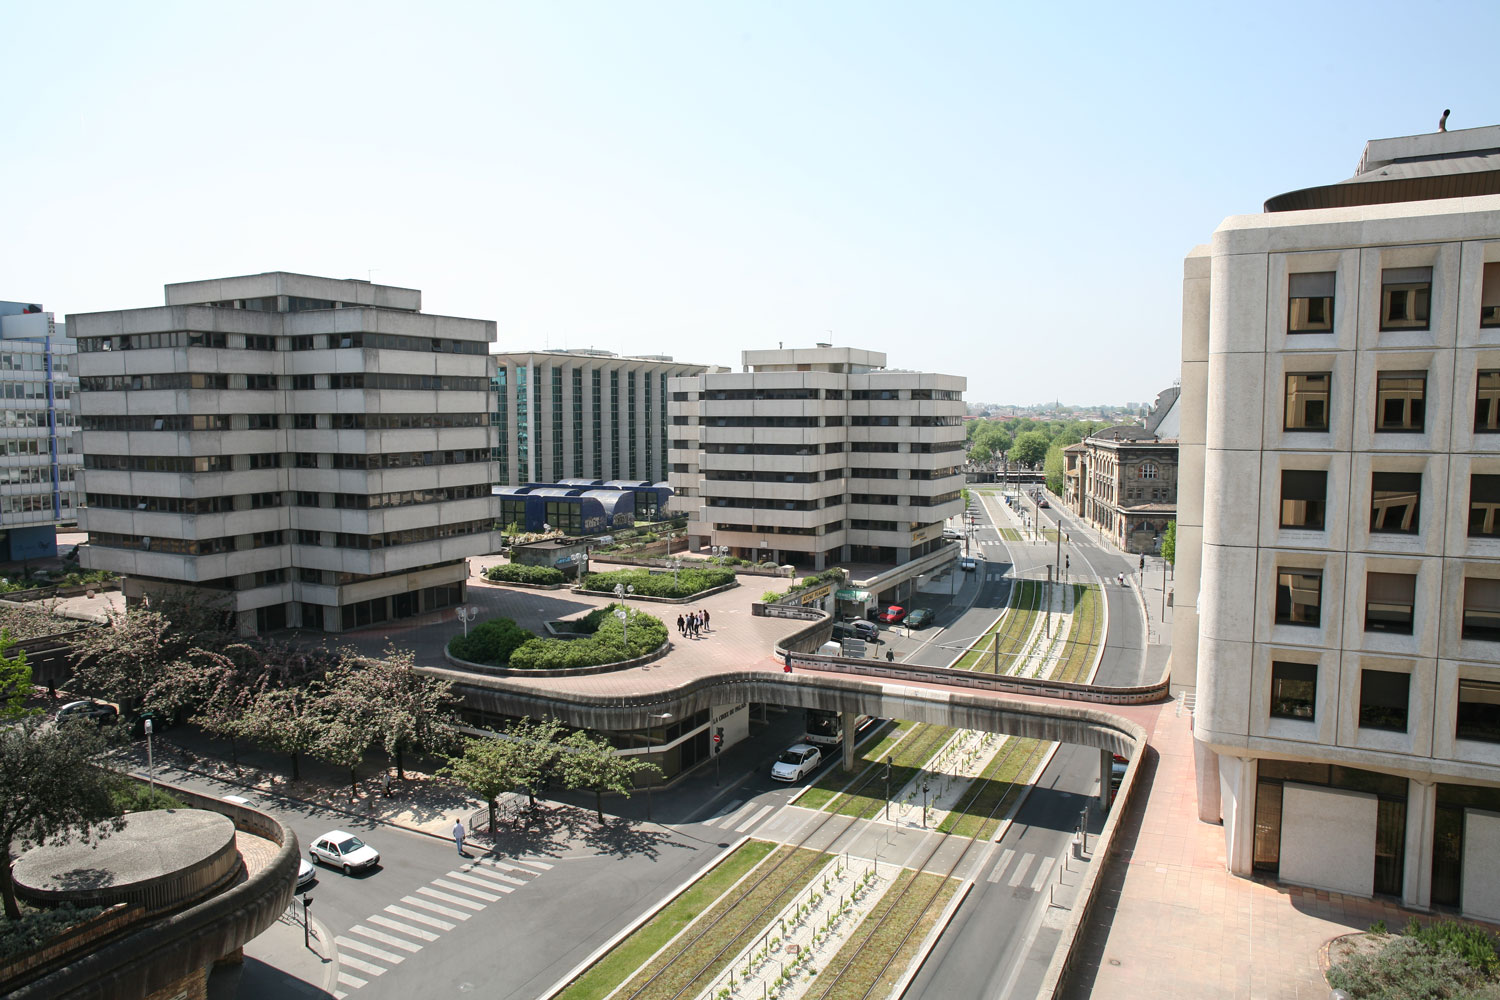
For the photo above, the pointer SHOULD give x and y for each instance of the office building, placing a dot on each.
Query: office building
(582, 414)
(38, 463)
(315, 452)
(818, 456)
(1338, 573)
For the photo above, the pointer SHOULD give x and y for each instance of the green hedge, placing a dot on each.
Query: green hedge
(687, 582)
(647, 634)
(520, 573)
(36, 929)
(492, 642)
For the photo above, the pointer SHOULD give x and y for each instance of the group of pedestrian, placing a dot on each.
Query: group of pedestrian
(693, 623)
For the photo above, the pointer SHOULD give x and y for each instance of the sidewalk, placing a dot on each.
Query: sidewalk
(278, 964)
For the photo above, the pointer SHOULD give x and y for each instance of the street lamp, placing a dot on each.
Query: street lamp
(623, 612)
(467, 615)
(150, 761)
(306, 932)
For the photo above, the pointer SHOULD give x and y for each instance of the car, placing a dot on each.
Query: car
(305, 873)
(344, 851)
(101, 712)
(1043, 504)
(796, 761)
(953, 534)
(241, 800)
(920, 618)
(892, 614)
(856, 628)
(968, 563)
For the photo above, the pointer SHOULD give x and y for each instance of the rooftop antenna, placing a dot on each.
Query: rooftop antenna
(370, 274)
(1443, 121)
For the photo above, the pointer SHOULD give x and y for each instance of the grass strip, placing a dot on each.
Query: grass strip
(994, 789)
(906, 764)
(868, 948)
(687, 969)
(1010, 632)
(1083, 637)
(626, 957)
(1009, 534)
(827, 788)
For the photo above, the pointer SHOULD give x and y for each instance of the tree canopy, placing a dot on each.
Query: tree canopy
(1169, 544)
(589, 761)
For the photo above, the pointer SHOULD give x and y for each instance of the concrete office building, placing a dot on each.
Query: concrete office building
(818, 456)
(582, 414)
(314, 451)
(38, 463)
(1340, 457)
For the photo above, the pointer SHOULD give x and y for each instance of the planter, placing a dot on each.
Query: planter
(598, 668)
(693, 599)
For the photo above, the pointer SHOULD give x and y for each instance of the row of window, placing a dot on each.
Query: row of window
(1390, 602)
(222, 381)
(1395, 502)
(274, 421)
(1385, 700)
(262, 342)
(1405, 299)
(36, 503)
(32, 362)
(264, 539)
(1400, 402)
(277, 460)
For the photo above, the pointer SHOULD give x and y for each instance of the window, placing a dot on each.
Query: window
(1478, 710)
(1299, 596)
(1303, 498)
(1487, 403)
(1148, 471)
(1405, 298)
(1389, 598)
(1310, 303)
(1484, 501)
(1482, 609)
(1401, 402)
(1489, 298)
(1394, 498)
(1294, 690)
(1384, 699)
(1307, 401)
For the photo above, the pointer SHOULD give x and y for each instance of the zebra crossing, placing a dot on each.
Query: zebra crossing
(388, 938)
(1017, 875)
(739, 819)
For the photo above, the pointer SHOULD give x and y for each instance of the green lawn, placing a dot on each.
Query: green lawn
(1011, 631)
(1002, 780)
(1009, 534)
(907, 760)
(1083, 638)
(877, 954)
(828, 787)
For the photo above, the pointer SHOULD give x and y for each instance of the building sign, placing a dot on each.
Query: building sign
(815, 595)
(927, 534)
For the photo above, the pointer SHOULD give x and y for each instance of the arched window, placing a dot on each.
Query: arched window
(1148, 470)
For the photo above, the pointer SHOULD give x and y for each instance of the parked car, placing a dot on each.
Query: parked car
(968, 563)
(919, 618)
(344, 851)
(892, 614)
(1043, 504)
(953, 534)
(856, 630)
(101, 712)
(305, 874)
(796, 762)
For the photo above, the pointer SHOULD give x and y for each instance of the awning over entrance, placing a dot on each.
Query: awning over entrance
(853, 595)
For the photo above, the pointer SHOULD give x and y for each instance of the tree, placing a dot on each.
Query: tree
(413, 710)
(50, 787)
(286, 720)
(489, 767)
(1053, 467)
(1169, 544)
(980, 453)
(15, 680)
(1030, 448)
(589, 761)
(156, 655)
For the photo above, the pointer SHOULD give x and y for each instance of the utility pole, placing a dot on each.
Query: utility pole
(1048, 598)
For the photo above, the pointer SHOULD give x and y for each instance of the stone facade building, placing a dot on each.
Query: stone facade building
(39, 461)
(1123, 480)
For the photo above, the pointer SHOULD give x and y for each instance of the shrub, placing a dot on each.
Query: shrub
(521, 573)
(1407, 968)
(130, 795)
(35, 929)
(492, 642)
(687, 582)
(1474, 945)
(606, 645)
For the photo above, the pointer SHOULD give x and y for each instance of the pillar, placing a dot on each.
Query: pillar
(1207, 774)
(819, 562)
(1106, 769)
(849, 737)
(1421, 813)
(1237, 794)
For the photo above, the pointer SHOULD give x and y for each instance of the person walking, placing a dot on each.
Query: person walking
(681, 626)
(705, 618)
(458, 836)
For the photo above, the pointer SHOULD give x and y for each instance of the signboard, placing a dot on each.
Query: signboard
(927, 533)
(815, 595)
(854, 595)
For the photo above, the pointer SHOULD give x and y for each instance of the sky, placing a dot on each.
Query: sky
(1000, 191)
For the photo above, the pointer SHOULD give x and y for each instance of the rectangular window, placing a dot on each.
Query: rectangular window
(1303, 498)
(1307, 401)
(1294, 690)
(1487, 403)
(1481, 609)
(1299, 594)
(1405, 298)
(1384, 699)
(1310, 303)
(1478, 711)
(1389, 599)
(1394, 501)
(1489, 297)
(1401, 402)
(1484, 501)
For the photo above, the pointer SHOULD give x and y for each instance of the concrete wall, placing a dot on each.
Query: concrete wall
(1481, 889)
(1328, 838)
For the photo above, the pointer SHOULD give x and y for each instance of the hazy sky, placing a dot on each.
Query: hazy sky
(994, 190)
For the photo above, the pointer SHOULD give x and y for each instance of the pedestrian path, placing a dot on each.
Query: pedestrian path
(401, 930)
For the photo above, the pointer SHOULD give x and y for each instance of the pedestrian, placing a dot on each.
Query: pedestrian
(681, 626)
(890, 656)
(458, 836)
(387, 784)
(705, 618)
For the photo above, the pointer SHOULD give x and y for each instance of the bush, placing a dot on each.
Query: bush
(606, 645)
(687, 583)
(36, 928)
(1407, 968)
(491, 642)
(1474, 945)
(521, 573)
(130, 795)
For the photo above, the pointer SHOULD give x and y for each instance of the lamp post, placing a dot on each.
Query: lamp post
(150, 761)
(306, 931)
(467, 615)
(887, 786)
(623, 612)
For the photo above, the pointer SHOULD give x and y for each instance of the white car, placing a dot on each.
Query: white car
(305, 874)
(968, 563)
(796, 761)
(345, 851)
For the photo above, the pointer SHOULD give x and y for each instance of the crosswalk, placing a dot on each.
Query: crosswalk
(739, 819)
(388, 938)
(1022, 871)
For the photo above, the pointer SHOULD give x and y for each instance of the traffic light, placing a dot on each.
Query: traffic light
(719, 740)
(1143, 560)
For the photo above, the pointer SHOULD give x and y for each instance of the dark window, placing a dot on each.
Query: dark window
(1489, 297)
(1481, 609)
(1384, 699)
(1294, 690)
(1389, 598)
(1307, 401)
(1484, 501)
(1478, 711)
(1394, 500)
(1303, 498)
(1405, 298)
(1299, 596)
(1401, 402)
(1310, 303)
(1487, 403)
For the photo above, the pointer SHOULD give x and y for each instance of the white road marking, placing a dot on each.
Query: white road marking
(753, 819)
(467, 890)
(365, 967)
(455, 900)
(421, 918)
(544, 866)
(490, 878)
(427, 904)
(353, 982)
(368, 949)
(390, 939)
(1042, 872)
(731, 814)
(1020, 873)
(397, 925)
(1001, 865)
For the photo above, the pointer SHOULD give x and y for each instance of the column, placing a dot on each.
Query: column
(1206, 770)
(850, 735)
(1106, 768)
(1237, 791)
(1421, 813)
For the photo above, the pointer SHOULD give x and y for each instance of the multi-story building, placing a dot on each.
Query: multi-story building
(1123, 479)
(582, 414)
(1338, 574)
(38, 463)
(815, 456)
(315, 451)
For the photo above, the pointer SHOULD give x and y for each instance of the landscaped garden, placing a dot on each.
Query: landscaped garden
(500, 642)
(1445, 960)
(521, 573)
(681, 583)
